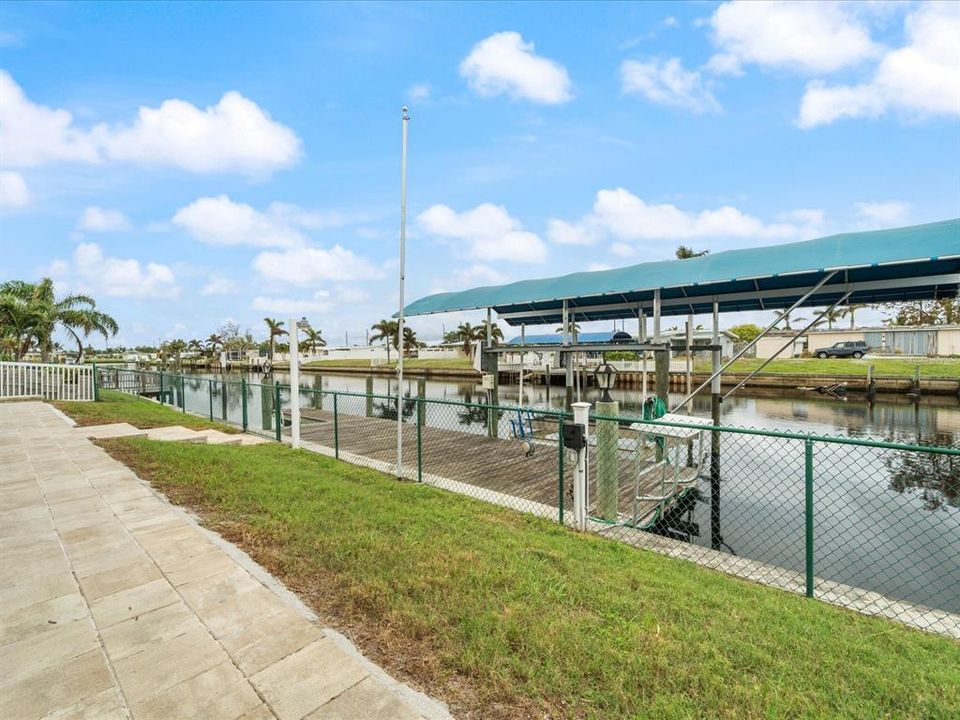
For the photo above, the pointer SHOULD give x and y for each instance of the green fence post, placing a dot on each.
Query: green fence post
(210, 396)
(161, 389)
(421, 416)
(562, 452)
(96, 384)
(243, 401)
(277, 416)
(808, 487)
(183, 393)
(336, 429)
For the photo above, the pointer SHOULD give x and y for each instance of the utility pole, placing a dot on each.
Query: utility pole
(405, 120)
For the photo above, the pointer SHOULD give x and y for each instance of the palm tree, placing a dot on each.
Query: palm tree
(275, 327)
(410, 339)
(31, 311)
(313, 339)
(176, 347)
(88, 321)
(213, 342)
(831, 316)
(685, 253)
(574, 330)
(786, 318)
(388, 331)
(469, 334)
(851, 310)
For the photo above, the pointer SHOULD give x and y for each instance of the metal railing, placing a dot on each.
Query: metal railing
(869, 524)
(46, 380)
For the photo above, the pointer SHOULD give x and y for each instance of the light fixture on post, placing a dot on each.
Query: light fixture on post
(606, 376)
(303, 323)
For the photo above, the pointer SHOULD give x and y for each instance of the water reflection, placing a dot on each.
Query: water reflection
(936, 478)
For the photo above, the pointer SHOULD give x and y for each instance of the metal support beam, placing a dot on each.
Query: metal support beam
(767, 329)
(792, 340)
(716, 538)
(656, 315)
(564, 323)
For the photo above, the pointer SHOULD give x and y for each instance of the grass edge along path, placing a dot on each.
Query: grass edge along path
(116, 407)
(505, 615)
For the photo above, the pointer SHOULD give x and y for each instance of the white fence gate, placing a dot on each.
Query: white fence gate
(47, 381)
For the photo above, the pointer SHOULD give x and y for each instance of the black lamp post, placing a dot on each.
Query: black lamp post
(606, 377)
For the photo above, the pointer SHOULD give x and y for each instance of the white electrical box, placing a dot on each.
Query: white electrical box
(488, 381)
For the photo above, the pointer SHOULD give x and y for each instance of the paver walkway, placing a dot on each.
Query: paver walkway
(113, 603)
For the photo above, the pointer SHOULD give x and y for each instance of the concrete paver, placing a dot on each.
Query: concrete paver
(114, 604)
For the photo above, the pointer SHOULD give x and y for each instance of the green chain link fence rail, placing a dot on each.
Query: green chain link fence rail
(867, 524)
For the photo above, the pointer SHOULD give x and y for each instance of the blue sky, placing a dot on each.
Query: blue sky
(192, 163)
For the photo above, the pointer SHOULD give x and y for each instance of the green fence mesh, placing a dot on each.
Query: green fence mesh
(866, 524)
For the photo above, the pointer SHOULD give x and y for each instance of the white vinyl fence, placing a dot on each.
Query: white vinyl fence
(50, 382)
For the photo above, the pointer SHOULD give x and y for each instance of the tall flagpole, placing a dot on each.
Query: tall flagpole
(403, 260)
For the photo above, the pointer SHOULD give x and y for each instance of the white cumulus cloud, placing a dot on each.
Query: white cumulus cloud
(504, 64)
(310, 265)
(579, 233)
(221, 221)
(665, 82)
(478, 274)
(419, 92)
(808, 37)
(89, 270)
(627, 219)
(488, 231)
(218, 285)
(13, 189)
(920, 79)
(319, 304)
(235, 135)
(98, 219)
(882, 214)
(32, 134)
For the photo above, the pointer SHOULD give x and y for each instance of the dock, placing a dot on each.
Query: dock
(508, 470)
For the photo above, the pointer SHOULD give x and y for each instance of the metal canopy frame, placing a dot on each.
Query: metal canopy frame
(920, 287)
(921, 262)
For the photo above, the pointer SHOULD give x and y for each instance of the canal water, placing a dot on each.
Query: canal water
(885, 520)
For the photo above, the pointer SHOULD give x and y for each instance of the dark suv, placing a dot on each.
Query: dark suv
(853, 348)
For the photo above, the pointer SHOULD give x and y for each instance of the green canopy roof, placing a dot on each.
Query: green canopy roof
(899, 264)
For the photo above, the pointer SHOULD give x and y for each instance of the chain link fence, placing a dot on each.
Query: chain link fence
(866, 524)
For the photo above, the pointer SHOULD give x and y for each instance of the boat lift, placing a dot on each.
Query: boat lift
(668, 461)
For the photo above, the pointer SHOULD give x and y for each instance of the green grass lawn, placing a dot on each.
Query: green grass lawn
(412, 363)
(115, 406)
(883, 367)
(509, 616)
(339, 363)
